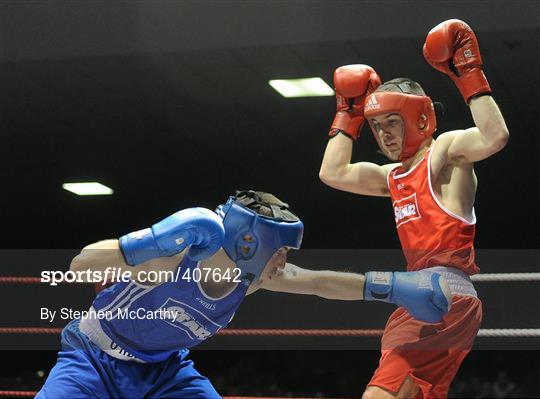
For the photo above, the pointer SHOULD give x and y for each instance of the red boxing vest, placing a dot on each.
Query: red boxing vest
(430, 234)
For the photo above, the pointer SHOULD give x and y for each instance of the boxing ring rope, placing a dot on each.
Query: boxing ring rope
(17, 394)
(20, 280)
(489, 277)
(487, 332)
(276, 332)
(486, 277)
(270, 397)
(31, 394)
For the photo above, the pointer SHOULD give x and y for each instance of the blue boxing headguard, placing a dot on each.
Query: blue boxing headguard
(251, 238)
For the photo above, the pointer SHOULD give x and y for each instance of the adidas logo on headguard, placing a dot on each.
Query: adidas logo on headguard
(372, 104)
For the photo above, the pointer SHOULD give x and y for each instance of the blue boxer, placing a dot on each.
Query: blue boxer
(84, 371)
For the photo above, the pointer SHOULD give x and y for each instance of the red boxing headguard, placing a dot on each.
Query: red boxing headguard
(417, 112)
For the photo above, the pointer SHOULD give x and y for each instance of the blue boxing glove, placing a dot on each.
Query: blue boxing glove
(199, 227)
(425, 295)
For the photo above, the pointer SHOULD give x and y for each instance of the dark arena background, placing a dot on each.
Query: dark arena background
(168, 104)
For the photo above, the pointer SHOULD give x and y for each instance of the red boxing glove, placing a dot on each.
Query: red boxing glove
(353, 83)
(452, 48)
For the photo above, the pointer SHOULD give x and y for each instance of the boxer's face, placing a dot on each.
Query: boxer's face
(389, 128)
(276, 264)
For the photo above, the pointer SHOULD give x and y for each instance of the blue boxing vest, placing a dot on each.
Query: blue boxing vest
(181, 316)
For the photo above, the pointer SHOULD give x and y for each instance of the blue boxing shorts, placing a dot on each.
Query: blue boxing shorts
(85, 371)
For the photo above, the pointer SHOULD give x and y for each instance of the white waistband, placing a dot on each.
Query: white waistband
(459, 282)
(92, 329)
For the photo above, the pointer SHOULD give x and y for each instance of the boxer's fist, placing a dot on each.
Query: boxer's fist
(199, 227)
(452, 48)
(353, 83)
(425, 295)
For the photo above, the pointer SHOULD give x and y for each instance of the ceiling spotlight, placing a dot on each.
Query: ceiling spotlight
(307, 87)
(88, 188)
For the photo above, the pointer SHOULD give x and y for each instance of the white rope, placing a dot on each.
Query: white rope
(506, 277)
(509, 332)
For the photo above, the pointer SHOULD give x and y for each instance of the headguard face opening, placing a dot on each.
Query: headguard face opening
(251, 239)
(417, 112)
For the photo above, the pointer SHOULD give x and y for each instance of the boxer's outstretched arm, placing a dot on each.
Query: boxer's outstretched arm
(425, 295)
(324, 283)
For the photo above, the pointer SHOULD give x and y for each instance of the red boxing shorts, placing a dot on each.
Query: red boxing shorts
(430, 354)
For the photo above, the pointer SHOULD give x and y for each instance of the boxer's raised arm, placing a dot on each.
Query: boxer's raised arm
(488, 137)
(352, 83)
(452, 48)
(360, 178)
